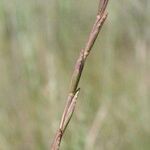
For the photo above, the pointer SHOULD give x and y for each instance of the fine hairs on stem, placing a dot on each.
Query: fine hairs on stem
(74, 90)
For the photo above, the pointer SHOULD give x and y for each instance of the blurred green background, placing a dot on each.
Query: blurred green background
(39, 43)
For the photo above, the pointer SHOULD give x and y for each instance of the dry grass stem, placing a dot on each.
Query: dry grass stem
(73, 90)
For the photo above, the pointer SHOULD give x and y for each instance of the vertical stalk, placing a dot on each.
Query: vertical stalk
(74, 90)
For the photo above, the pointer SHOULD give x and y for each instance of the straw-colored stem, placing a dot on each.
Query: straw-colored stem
(73, 90)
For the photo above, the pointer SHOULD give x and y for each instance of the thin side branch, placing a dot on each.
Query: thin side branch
(73, 90)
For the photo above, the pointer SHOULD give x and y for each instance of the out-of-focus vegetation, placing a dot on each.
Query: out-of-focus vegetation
(39, 43)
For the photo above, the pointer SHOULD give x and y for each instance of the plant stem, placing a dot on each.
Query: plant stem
(73, 90)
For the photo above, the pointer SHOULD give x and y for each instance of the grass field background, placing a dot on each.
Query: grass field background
(39, 43)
